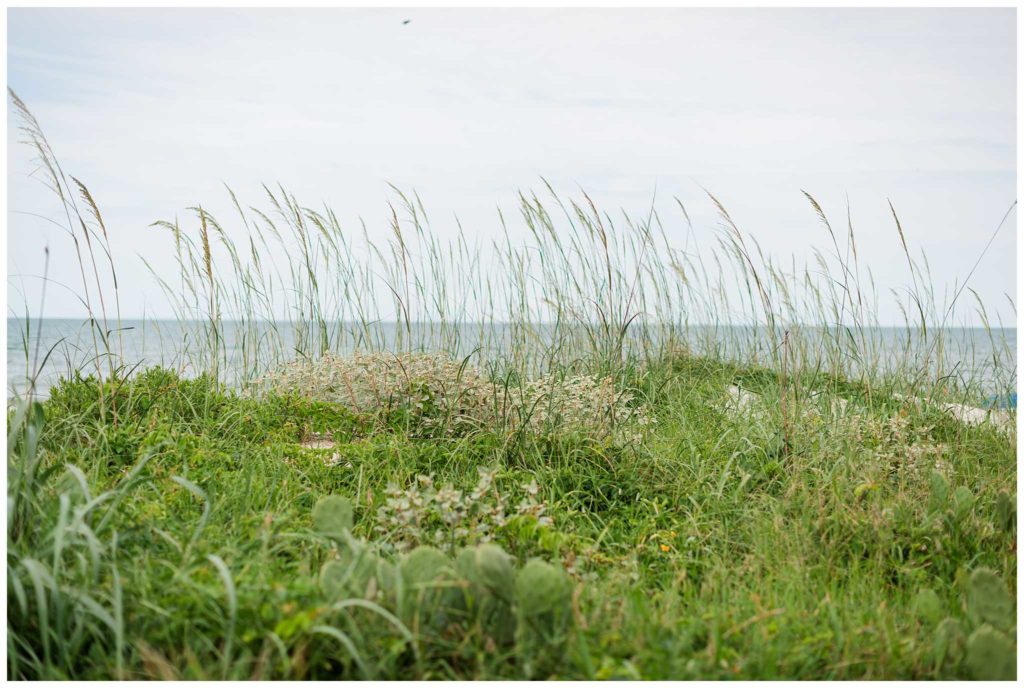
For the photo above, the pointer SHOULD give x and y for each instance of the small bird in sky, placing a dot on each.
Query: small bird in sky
(406, 21)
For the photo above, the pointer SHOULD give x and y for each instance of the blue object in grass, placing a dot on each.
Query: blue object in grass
(1002, 401)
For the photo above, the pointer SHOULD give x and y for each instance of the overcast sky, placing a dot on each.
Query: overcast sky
(156, 109)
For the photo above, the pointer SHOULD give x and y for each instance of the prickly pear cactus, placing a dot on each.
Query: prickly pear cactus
(988, 600)
(489, 577)
(359, 572)
(1006, 511)
(948, 643)
(928, 607)
(544, 592)
(963, 502)
(428, 580)
(466, 572)
(465, 566)
(544, 600)
(423, 566)
(495, 570)
(991, 656)
(488, 568)
(338, 578)
(939, 488)
(332, 516)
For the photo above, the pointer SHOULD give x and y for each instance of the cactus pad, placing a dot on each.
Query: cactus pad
(939, 490)
(988, 600)
(332, 516)
(495, 570)
(928, 606)
(963, 502)
(423, 566)
(543, 589)
(991, 656)
(948, 643)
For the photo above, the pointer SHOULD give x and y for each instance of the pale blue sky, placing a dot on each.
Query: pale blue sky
(156, 109)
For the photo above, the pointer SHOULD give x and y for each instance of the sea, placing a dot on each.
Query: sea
(49, 349)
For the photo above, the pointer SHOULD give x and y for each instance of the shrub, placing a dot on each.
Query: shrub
(437, 396)
(421, 513)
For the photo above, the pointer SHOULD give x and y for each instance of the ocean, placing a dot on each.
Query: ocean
(984, 360)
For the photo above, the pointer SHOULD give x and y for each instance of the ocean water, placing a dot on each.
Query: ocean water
(984, 360)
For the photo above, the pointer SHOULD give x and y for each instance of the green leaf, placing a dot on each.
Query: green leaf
(332, 516)
(963, 502)
(988, 600)
(991, 656)
(928, 607)
(939, 491)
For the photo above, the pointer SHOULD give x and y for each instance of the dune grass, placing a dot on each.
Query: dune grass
(794, 504)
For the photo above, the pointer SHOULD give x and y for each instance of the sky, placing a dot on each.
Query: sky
(156, 110)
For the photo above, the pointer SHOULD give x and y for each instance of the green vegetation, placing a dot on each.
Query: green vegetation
(588, 492)
(199, 538)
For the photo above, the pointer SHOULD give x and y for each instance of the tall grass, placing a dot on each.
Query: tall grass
(571, 286)
(84, 225)
(565, 284)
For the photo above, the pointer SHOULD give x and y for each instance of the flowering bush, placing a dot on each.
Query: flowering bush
(891, 443)
(421, 513)
(898, 443)
(441, 396)
(581, 404)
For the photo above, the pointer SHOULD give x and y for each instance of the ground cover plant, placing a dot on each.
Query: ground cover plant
(590, 491)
